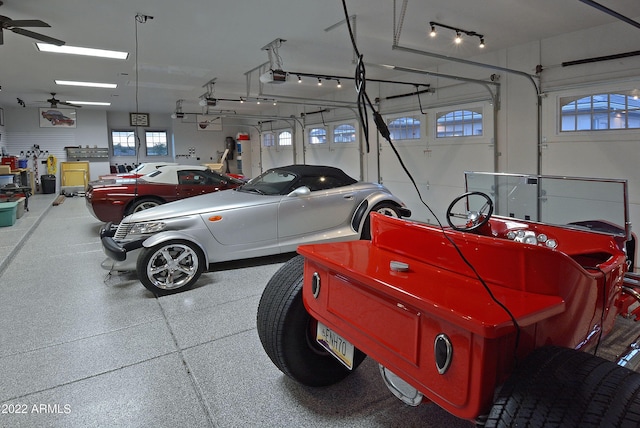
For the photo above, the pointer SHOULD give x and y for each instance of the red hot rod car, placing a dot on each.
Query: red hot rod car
(496, 318)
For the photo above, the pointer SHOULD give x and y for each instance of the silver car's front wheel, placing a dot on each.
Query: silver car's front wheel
(385, 208)
(170, 267)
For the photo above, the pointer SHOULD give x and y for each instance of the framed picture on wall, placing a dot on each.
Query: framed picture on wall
(208, 122)
(57, 117)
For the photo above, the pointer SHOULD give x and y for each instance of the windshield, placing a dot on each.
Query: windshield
(273, 182)
(597, 204)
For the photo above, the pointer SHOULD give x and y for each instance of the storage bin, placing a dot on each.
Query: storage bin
(12, 161)
(8, 212)
(20, 207)
(23, 163)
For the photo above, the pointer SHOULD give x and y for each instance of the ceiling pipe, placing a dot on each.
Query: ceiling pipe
(601, 58)
(611, 12)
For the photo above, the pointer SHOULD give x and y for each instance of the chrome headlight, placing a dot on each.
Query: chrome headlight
(147, 228)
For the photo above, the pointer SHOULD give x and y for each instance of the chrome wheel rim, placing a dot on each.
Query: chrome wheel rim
(145, 206)
(172, 266)
(388, 211)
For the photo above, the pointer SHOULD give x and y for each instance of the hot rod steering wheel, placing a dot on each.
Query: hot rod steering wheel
(471, 220)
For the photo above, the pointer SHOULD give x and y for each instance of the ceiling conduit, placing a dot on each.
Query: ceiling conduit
(606, 57)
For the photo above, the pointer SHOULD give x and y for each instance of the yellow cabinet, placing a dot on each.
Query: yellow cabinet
(74, 174)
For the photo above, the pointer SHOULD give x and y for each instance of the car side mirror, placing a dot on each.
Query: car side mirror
(300, 191)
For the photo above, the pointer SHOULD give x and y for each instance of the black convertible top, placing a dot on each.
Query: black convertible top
(318, 170)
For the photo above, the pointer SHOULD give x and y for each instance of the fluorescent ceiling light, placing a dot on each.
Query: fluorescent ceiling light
(88, 84)
(76, 50)
(89, 103)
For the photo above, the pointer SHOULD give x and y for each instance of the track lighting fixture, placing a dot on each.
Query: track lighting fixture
(339, 85)
(299, 79)
(459, 33)
(319, 82)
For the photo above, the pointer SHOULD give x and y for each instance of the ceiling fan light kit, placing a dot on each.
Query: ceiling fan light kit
(54, 102)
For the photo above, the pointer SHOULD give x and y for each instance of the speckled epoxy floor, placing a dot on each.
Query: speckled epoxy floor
(80, 348)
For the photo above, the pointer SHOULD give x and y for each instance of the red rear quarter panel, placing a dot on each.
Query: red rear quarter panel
(394, 316)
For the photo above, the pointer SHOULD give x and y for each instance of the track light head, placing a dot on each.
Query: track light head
(459, 33)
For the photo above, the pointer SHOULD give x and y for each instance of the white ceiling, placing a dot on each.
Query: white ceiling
(190, 42)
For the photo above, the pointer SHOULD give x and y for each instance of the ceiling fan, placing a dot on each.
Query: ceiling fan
(16, 27)
(54, 102)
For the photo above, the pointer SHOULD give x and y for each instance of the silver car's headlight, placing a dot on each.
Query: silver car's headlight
(147, 228)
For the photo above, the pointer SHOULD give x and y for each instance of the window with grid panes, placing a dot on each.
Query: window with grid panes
(156, 143)
(124, 143)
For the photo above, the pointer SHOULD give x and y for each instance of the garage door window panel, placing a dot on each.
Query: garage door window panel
(268, 139)
(344, 134)
(599, 112)
(285, 139)
(317, 136)
(459, 123)
(404, 128)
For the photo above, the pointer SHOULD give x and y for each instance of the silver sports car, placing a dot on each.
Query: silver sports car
(169, 246)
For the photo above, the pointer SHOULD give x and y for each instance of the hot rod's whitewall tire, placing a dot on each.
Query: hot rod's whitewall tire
(559, 387)
(287, 331)
(170, 267)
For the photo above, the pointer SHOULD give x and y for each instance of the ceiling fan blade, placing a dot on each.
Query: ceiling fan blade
(38, 36)
(26, 23)
(69, 104)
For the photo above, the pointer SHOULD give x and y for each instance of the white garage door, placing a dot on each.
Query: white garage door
(276, 149)
(335, 145)
(593, 132)
(451, 141)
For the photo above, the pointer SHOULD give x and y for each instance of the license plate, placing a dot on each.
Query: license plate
(335, 344)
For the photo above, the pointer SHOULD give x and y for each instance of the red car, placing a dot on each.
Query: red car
(57, 118)
(500, 318)
(111, 200)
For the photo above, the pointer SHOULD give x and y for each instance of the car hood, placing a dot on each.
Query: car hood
(195, 205)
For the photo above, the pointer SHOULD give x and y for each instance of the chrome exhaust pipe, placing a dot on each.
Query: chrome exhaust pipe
(630, 358)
